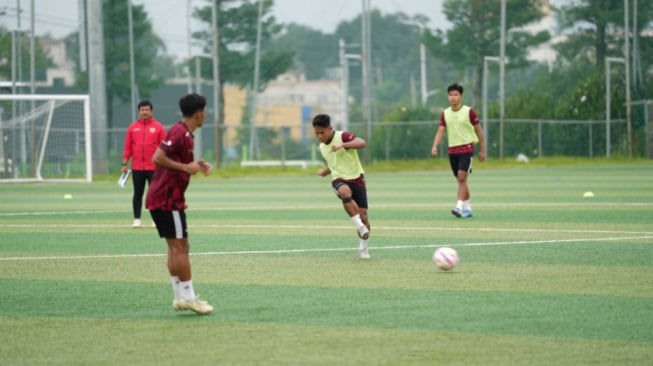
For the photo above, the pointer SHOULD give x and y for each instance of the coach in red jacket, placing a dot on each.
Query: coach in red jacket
(141, 141)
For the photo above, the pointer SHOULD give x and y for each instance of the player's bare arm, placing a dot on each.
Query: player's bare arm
(481, 142)
(436, 141)
(357, 143)
(323, 172)
(161, 159)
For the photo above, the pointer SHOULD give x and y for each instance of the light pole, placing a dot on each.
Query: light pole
(216, 84)
(422, 60)
(344, 64)
(486, 72)
(132, 71)
(502, 77)
(629, 132)
(198, 86)
(609, 60)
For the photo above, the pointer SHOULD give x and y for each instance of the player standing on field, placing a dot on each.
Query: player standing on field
(339, 149)
(166, 201)
(141, 140)
(463, 132)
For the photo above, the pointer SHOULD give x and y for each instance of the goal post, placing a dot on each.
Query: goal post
(45, 137)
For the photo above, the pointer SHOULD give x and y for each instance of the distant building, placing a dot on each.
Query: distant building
(291, 99)
(62, 73)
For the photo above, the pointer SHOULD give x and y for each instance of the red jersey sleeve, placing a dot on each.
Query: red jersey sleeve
(127, 147)
(473, 117)
(443, 123)
(347, 136)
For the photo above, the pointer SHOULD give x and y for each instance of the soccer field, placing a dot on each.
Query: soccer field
(547, 276)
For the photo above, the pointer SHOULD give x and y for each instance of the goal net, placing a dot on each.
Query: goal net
(45, 138)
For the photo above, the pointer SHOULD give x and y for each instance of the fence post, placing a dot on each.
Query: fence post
(539, 137)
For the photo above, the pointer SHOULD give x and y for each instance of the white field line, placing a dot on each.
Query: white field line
(257, 227)
(289, 251)
(335, 206)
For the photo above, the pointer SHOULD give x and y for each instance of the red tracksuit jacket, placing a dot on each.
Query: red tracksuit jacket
(141, 140)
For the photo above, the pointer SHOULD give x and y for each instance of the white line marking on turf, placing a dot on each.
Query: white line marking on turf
(317, 250)
(332, 227)
(331, 207)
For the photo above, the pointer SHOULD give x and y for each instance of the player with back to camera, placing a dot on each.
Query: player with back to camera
(141, 140)
(340, 151)
(175, 164)
(463, 132)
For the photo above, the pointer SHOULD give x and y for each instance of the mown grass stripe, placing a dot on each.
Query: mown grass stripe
(566, 316)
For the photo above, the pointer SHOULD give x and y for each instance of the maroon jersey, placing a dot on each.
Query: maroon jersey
(167, 188)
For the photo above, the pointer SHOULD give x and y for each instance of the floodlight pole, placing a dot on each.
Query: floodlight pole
(132, 64)
(216, 84)
(422, 61)
(486, 72)
(344, 64)
(502, 77)
(608, 60)
(629, 130)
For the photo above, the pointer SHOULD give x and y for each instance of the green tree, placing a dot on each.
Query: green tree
(476, 33)
(41, 60)
(590, 37)
(147, 48)
(315, 52)
(237, 38)
(237, 22)
(594, 31)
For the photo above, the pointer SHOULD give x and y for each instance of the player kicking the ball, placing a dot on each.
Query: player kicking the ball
(339, 149)
(165, 199)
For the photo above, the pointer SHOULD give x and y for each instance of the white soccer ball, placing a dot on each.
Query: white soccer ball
(445, 258)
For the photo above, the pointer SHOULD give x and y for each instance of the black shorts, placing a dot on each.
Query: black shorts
(460, 162)
(170, 224)
(358, 192)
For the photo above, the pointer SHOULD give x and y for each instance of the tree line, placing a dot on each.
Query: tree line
(570, 87)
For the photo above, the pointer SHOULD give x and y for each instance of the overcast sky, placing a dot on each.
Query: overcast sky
(60, 17)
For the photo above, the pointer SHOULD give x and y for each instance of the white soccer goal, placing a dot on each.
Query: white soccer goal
(45, 138)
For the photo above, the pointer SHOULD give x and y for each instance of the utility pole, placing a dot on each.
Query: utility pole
(502, 78)
(344, 63)
(216, 84)
(629, 130)
(97, 85)
(486, 74)
(189, 36)
(132, 64)
(366, 57)
(253, 140)
(32, 56)
(82, 35)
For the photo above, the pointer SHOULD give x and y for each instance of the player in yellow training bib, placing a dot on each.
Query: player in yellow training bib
(463, 132)
(340, 151)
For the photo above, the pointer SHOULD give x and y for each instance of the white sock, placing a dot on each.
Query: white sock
(467, 205)
(459, 204)
(357, 220)
(186, 290)
(175, 286)
(362, 244)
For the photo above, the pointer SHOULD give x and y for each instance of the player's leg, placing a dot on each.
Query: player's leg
(344, 192)
(139, 178)
(454, 160)
(359, 194)
(172, 226)
(148, 179)
(464, 169)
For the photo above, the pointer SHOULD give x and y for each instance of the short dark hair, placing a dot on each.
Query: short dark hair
(145, 103)
(189, 104)
(322, 120)
(455, 86)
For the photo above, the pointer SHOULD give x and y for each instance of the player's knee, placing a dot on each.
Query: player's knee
(346, 200)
